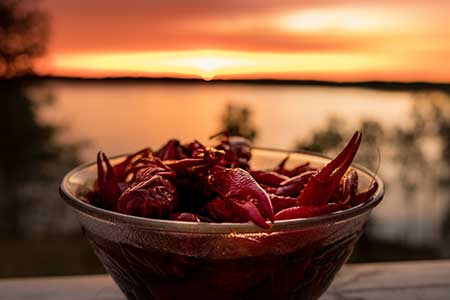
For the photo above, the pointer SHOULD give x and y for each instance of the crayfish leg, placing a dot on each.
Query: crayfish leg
(282, 202)
(218, 210)
(348, 188)
(297, 212)
(365, 196)
(100, 171)
(185, 217)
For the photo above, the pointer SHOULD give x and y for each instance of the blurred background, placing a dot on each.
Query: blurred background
(78, 76)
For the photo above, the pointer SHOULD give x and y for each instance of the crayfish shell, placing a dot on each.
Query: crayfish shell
(154, 198)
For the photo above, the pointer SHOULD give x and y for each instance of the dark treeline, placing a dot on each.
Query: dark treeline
(378, 85)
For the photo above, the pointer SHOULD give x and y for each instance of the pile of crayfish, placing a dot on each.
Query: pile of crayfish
(195, 183)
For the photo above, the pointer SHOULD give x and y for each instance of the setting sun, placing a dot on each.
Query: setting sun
(209, 64)
(205, 64)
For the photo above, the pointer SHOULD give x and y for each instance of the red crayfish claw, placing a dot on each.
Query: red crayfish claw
(242, 194)
(320, 187)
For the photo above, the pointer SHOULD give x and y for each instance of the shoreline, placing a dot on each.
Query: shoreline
(378, 85)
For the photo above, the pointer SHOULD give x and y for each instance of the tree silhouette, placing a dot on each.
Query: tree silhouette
(24, 31)
(32, 157)
(32, 160)
(417, 154)
(331, 138)
(236, 120)
(325, 139)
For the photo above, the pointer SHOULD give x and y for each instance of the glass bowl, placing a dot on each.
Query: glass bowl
(162, 259)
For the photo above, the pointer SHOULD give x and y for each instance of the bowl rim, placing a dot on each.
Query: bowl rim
(85, 208)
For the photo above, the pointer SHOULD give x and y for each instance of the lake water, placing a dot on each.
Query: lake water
(121, 117)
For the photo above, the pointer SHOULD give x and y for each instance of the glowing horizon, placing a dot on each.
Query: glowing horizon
(349, 41)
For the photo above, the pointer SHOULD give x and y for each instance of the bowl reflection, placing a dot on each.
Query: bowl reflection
(161, 259)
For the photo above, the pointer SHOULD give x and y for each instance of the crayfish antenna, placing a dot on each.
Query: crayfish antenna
(121, 169)
(321, 186)
(224, 133)
(377, 168)
(373, 186)
(100, 171)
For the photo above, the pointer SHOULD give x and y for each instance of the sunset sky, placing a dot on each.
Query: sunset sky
(325, 40)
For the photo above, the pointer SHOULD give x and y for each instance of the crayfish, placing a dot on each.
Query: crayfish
(195, 183)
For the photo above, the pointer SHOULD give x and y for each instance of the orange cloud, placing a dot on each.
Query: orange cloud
(264, 38)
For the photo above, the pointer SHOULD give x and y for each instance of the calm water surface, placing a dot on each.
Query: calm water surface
(121, 117)
(411, 130)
